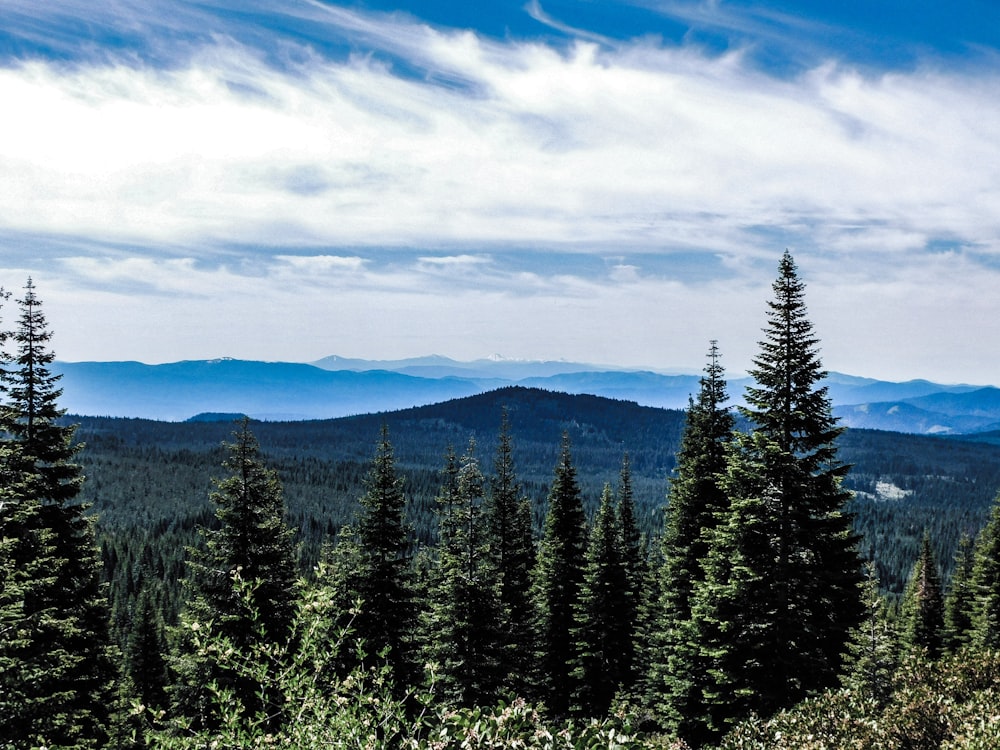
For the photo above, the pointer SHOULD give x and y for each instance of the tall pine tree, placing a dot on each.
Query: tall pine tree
(602, 633)
(695, 501)
(558, 575)
(986, 583)
(57, 676)
(959, 604)
(464, 616)
(508, 515)
(243, 582)
(871, 658)
(371, 564)
(922, 617)
(782, 610)
(636, 572)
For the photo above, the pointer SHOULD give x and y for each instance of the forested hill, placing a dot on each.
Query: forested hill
(154, 477)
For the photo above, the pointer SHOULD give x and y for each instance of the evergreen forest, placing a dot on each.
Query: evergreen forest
(515, 569)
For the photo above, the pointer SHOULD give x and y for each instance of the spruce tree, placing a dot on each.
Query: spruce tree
(508, 514)
(602, 634)
(57, 675)
(738, 627)
(695, 501)
(146, 652)
(636, 572)
(243, 583)
(783, 609)
(871, 658)
(371, 564)
(557, 578)
(959, 603)
(922, 617)
(986, 583)
(465, 607)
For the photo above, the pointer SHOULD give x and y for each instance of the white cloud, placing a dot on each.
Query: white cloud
(387, 189)
(590, 146)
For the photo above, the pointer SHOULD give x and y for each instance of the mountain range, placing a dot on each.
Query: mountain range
(337, 386)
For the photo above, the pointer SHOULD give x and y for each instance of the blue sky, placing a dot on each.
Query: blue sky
(586, 180)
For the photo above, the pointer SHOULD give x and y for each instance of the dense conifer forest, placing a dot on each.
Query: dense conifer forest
(518, 568)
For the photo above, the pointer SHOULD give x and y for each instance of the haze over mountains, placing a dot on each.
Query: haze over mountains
(337, 386)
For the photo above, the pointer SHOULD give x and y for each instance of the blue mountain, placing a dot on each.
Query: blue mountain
(337, 386)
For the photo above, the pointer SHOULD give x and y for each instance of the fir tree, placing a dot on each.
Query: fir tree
(778, 615)
(508, 514)
(146, 652)
(558, 575)
(738, 623)
(695, 501)
(986, 583)
(959, 604)
(632, 554)
(372, 566)
(922, 617)
(57, 678)
(871, 652)
(634, 563)
(602, 633)
(465, 608)
(243, 583)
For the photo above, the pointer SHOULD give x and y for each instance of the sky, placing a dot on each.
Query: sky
(596, 181)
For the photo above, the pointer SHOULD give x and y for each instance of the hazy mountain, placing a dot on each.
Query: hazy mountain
(436, 366)
(263, 390)
(337, 386)
(900, 416)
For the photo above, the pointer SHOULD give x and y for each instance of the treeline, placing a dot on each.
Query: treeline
(748, 620)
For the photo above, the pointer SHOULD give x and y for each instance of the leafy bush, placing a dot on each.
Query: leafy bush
(949, 704)
(363, 710)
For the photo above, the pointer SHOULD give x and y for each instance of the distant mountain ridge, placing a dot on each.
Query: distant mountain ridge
(337, 386)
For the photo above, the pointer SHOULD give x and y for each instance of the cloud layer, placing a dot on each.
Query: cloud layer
(445, 173)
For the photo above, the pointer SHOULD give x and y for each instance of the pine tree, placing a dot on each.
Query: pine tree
(634, 563)
(557, 578)
(243, 582)
(371, 564)
(922, 617)
(146, 652)
(871, 652)
(986, 583)
(738, 626)
(784, 606)
(465, 608)
(959, 604)
(509, 517)
(602, 634)
(695, 501)
(57, 675)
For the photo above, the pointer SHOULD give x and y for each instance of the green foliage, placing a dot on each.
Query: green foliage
(922, 616)
(360, 709)
(695, 502)
(948, 704)
(508, 514)
(872, 657)
(780, 594)
(986, 582)
(463, 615)
(603, 630)
(56, 662)
(557, 578)
(253, 544)
(373, 566)
(960, 601)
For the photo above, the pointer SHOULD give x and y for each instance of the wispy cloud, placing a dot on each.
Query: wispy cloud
(585, 147)
(363, 152)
